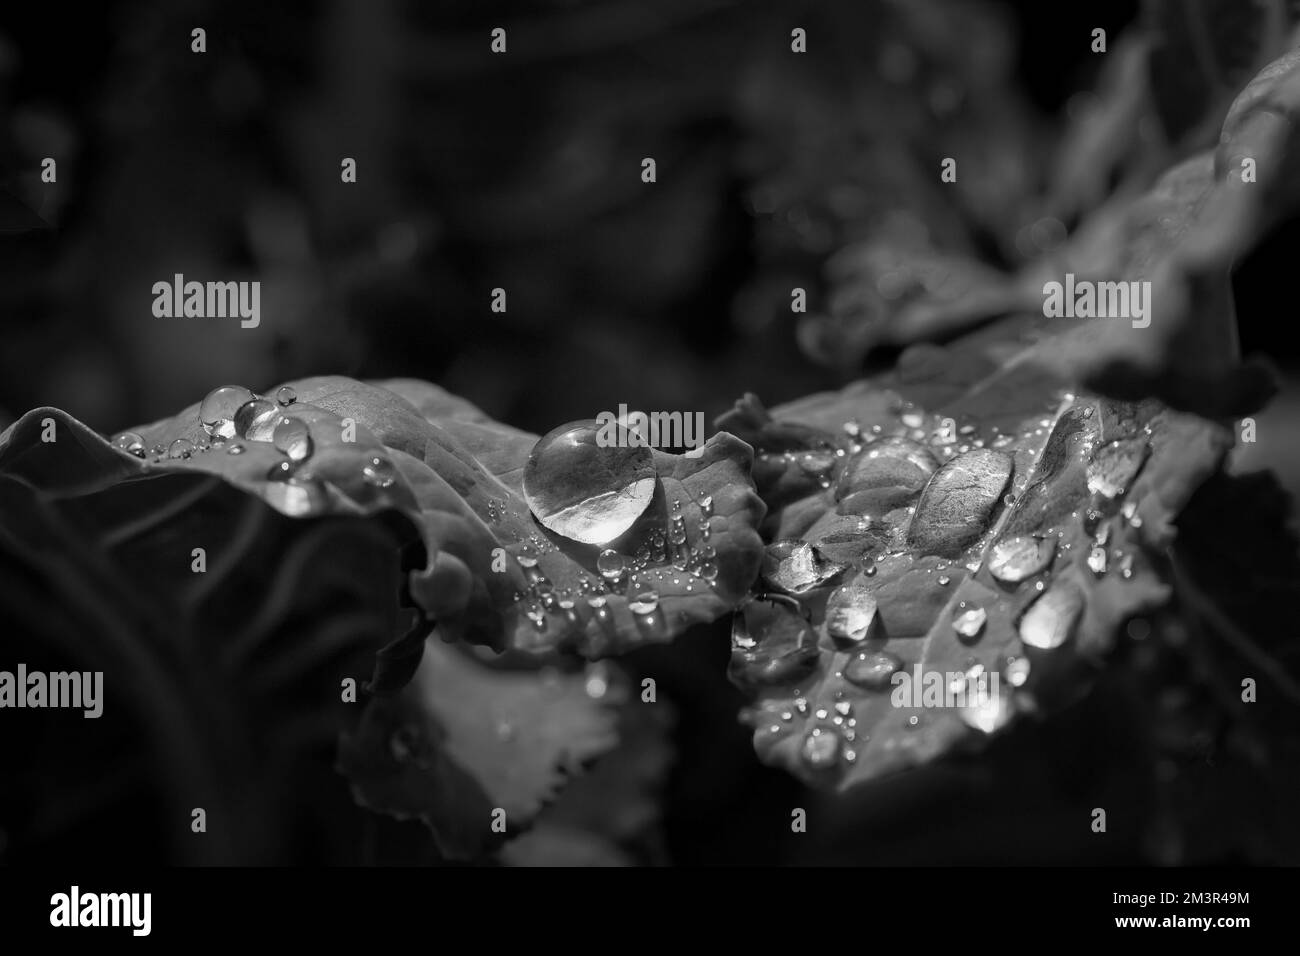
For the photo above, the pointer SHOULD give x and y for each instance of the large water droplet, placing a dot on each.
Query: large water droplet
(1097, 560)
(585, 491)
(872, 669)
(851, 615)
(256, 420)
(293, 437)
(286, 395)
(217, 411)
(379, 472)
(1014, 559)
(795, 567)
(1051, 620)
(280, 471)
(129, 442)
(955, 507)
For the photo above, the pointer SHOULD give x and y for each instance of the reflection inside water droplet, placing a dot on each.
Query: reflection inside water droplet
(610, 565)
(256, 420)
(180, 448)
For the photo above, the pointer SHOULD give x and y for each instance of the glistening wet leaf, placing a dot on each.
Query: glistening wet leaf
(995, 555)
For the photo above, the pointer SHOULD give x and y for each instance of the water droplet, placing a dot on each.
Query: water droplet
(1126, 567)
(955, 506)
(129, 442)
(677, 530)
(912, 419)
(1097, 561)
(644, 602)
(816, 463)
(989, 714)
(843, 708)
(1051, 620)
(821, 748)
(379, 472)
(218, 408)
(585, 491)
(180, 448)
(771, 646)
(235, 449)
(286, 395)
(280, 471)
(851, 615)
(1014, 559)
(610, 564)
(944, 580)
(293, 437)
(1017, 671)
(256, 420)
(969, 624)
(706, 505)
(795, 567)
(872, 669)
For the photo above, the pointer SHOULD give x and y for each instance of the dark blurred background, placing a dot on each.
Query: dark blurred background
(479, 171)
